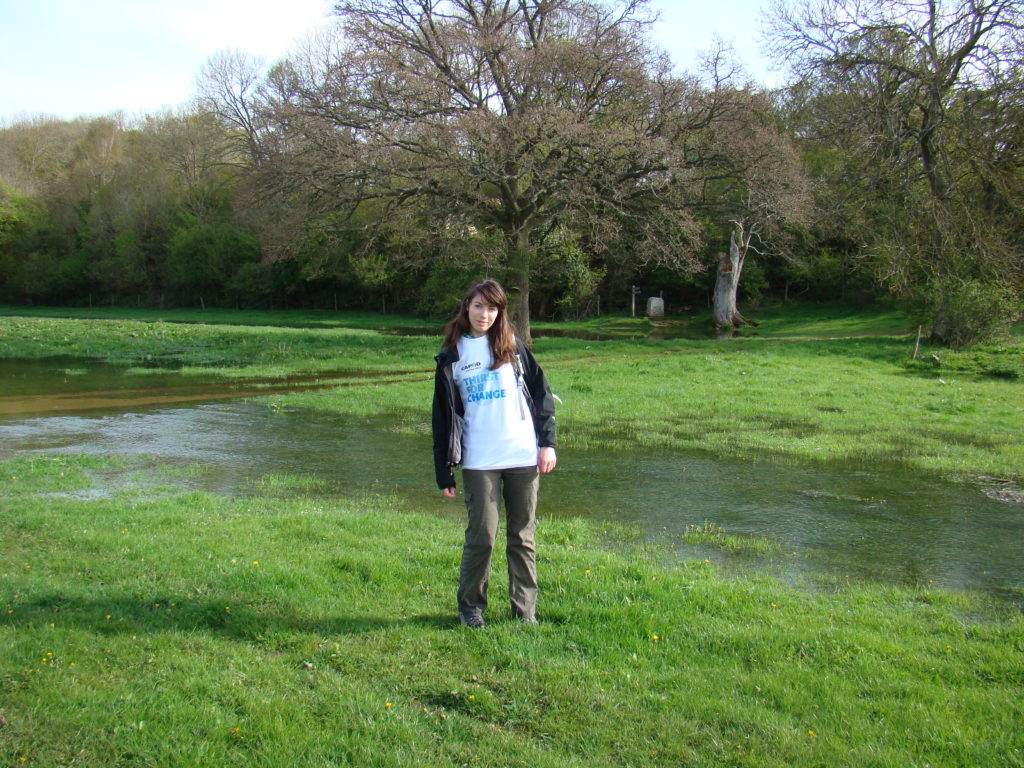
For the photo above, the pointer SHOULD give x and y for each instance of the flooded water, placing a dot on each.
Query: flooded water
(56, 385)
(831, 524)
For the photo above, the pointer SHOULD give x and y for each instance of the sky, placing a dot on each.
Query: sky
(71, 58)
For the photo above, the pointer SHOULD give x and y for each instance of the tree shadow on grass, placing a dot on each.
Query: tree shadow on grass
(214, 617)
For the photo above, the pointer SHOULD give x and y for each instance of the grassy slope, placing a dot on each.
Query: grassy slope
(198, 630)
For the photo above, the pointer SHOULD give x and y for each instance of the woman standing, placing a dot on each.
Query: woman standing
(493, 414)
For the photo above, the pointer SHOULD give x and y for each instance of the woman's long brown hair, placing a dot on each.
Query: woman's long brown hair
(500, 337)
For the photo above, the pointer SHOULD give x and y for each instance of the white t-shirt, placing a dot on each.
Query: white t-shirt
(499, 431)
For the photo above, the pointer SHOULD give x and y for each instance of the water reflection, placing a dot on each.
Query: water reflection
(834, 523)
(831, 523)
(61, 385)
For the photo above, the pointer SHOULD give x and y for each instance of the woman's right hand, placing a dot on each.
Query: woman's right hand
(449, 493)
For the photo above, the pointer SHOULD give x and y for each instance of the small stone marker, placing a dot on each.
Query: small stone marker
(655, 307)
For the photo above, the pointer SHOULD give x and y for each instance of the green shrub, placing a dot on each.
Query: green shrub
(975, 312)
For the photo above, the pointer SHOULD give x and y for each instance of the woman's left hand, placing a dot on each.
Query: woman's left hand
(546, 460)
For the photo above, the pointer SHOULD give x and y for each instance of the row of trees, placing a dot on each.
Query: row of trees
(912, 113)
(550, 144)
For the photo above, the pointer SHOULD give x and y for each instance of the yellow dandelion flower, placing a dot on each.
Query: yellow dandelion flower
(256, 563)
(655, 638)
(387, 705)
(472, 697)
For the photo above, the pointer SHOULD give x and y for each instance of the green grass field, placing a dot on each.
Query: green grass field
(288, 629)
(200, 630)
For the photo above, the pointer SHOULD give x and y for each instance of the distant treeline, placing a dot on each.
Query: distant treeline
(553, 148)
(160, 213)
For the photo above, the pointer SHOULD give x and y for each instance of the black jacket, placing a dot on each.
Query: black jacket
(448, 411)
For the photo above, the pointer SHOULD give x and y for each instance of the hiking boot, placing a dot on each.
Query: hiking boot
(473, 620)
(522, 616)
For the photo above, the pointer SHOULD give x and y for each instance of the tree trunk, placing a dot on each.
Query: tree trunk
(940, 323)
(727, 282)
(518, 286)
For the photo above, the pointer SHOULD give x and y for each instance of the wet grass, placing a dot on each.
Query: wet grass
(197, 630)
(710, 535)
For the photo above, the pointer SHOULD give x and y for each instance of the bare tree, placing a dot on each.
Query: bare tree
(34, 151)
(923, 50)
(751, 180)
(523, 119)
(228, 86)
(902, 87)
(193, 148)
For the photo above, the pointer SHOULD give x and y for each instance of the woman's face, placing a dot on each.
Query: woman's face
(481, 315)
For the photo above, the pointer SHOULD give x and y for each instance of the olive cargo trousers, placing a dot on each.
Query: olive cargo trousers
(484, 491)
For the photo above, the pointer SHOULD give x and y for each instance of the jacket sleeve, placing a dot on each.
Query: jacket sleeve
(440, 423)
(540, 394)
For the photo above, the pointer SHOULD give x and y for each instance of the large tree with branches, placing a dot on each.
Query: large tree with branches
(751, 180)
(500, 121)
(911, 96)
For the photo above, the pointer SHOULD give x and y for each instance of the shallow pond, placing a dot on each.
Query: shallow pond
(829, 524)
(61, 384)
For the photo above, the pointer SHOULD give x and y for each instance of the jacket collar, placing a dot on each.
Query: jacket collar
(447, 355)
